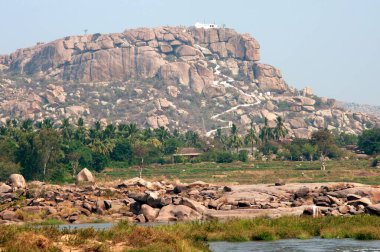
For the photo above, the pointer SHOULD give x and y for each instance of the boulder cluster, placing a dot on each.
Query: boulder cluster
(139, 200)
(339, 200)
(142, 53)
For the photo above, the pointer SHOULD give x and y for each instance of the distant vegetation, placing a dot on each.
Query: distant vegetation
(44, 151)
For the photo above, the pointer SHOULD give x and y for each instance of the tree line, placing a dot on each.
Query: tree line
(41, 150)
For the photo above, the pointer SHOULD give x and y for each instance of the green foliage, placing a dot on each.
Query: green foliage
(309, 151)
(178, 159)
(234, 140)
(39, 153)
(44, 151)
(295, 151)
(99, 161)
(283, 106)
(60, 174)
(170, 146)
(7, 168)
(325, 143)
(345, 139)
(225, 157)
(269, 148)
(243, 155)
(369, 141)
(122, 151)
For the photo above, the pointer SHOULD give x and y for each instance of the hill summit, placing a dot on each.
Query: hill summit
(175, 77)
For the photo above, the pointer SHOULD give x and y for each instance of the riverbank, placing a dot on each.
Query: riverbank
(138, 200)
(186, 236)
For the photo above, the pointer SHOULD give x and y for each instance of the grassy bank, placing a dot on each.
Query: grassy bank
(191, 236)
(254, 172)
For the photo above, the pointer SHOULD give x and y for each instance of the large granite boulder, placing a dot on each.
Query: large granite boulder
(4, 188)
(177, 213)
(85, 176)
(149, 212)
(269, 78)
(16, 181)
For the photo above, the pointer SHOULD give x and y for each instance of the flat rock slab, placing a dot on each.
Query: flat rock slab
(253, 213)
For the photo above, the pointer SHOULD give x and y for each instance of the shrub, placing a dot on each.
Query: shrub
(369, 141)
(325, 142)
(344, 139)
(195, 160)
(269, 148)
(122, 151)
(179, 159)
(375, 162)
(99, 161)
(283, 106)
(209, 156)
(7, 168)
(60, 174)
(224, 157)
(243, 155)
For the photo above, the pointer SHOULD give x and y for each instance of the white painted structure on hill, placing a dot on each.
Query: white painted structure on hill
(205, 26)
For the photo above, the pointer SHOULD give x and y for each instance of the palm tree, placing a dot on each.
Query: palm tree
(251, 138)
(96, 132)
(80, 133)
(80, 122)
(222, 139)
(147, 133)
(279, 131)
(14, 123)
(47, 123)
(102, 147)
(132, 129)
(122, 129)
(66, 129)
(162, 134)
(4, 131)
(266, 133)
(38, 125)
(235, 140)
(176, 133)
(192, 138)
(27, 125)
(98, 126)
(110, 131)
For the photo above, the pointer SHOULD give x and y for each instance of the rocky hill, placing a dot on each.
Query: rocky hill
(361, 108)
(176, 77)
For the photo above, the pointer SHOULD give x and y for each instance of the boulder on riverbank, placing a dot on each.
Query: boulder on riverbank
(143, 201)
(85, 176)
(16, 181)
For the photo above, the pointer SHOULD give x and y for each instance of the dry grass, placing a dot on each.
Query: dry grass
(188, 236)
(256, 172)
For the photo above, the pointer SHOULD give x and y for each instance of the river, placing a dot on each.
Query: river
(295, 245)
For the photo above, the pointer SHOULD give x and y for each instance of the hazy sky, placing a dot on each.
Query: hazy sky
(331, 45)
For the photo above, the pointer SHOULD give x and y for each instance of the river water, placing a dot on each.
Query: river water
(291, 245)
(294, 245)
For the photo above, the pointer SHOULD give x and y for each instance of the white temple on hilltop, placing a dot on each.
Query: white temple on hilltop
(205, 26)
